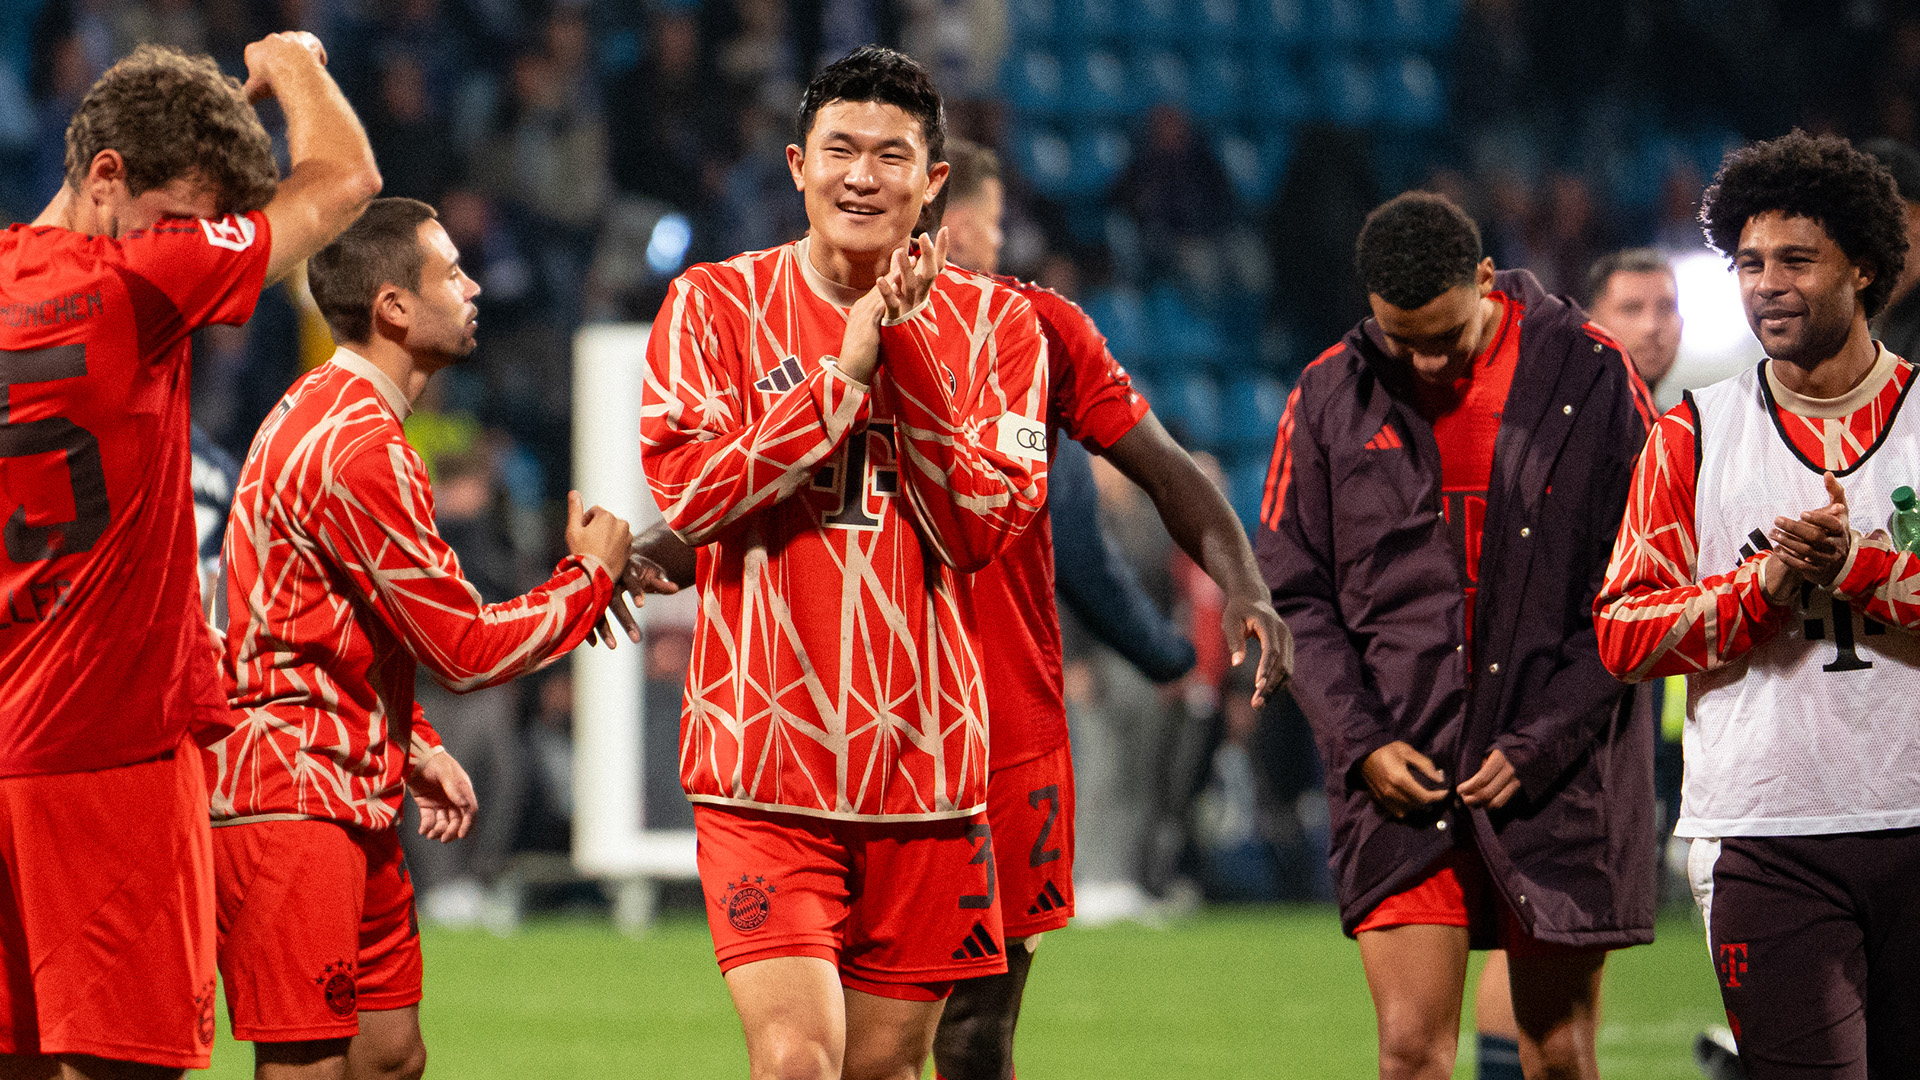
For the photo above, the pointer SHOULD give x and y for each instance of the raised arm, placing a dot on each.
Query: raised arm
(333, 175)
(1200, 521)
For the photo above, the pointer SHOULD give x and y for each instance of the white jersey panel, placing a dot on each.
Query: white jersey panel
(1817, 730)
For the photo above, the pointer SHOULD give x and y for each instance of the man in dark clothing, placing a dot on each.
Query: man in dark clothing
(1442, 501)
(1898, 325)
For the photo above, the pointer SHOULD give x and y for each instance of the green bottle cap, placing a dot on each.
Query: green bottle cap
(1903, 498)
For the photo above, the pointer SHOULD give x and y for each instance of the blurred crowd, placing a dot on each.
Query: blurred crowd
(582, 153)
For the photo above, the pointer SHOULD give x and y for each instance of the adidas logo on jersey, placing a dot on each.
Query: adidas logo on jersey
(1385, 440)
(783, 378)
(1048, 900)
(977, 946)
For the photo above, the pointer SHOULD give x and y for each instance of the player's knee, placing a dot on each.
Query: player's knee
(1413, 1050)
(401, 1059)
(793, 1056)
(975, 1038)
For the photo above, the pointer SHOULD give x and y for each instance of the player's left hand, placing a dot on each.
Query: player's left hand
(444, 793)
(1818, 543)
(1254, 617)
(909, 279)
(1493, 785)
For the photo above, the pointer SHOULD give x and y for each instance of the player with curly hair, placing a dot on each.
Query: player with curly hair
(1741, 566)
(1445, 488)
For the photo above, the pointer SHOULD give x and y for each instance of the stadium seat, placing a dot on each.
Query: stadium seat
(1198, 400)
(1250, 412)
(1275, 24)
(1254, 161)
(1415, 23)
(1035, 82)
(1218, 87)
(1087, 21)
(1246, 485)
(1162, 78)
(1155, 21)
(1181, 334)
(1347, 92)
(1275, 93)
(1410, 92)
(1044, 158)
(1337, 21)
(1214, 22)
(1031, 22)
(1099, 85)
(1121, 316)
(1099, 153)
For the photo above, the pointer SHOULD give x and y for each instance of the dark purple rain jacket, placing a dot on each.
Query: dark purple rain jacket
(1356, 550)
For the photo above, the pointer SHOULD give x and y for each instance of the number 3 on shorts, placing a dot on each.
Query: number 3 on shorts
(982, 837)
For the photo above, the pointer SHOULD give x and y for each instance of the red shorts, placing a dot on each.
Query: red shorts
(316, 924)
(106, 917)
(903, 909)
(1031, 807)
(1457, 891)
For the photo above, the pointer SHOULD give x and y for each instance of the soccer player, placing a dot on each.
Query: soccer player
(844, 428)
(1740, 566)
(338, 585)
(1444, 489)
(1030, 783)
(105, 660)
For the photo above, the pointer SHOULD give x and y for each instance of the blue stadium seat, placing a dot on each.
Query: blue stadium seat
(1254, 160)
(1410, 92)
(1031, 22)
(1163, 78)
(1044, 158)
(1275, 23)
(1120, 315)
(1198, 397)
(1099, 153)
(1218, 86)
(1246, 485)
(1087, 21)
(1215, 22)
(1181, 334)
(1250, 412)
(1155, 21)
(1348, 94)
(1275, 93)
(1415, 23)
(1098, 85)
(1035, 81)
(1335, 22)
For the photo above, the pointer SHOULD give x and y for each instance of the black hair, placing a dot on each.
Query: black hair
(1641, 260)
(888, 76)
(1822, 178)
(382, 248)
(1416, 246)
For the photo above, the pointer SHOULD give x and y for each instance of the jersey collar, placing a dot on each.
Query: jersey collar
(355, 364)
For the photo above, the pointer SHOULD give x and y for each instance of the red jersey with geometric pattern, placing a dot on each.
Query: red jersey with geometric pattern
(338, 586)
(1466, 419)
(105, 657)
(835, 671)
(1093, 401)
(1655, 619)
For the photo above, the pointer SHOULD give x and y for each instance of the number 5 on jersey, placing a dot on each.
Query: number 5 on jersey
(79, 454)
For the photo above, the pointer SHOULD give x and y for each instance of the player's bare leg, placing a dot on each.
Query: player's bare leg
(887, 1039)
(389, 1046)
(1417, 975)
(795, 1017)
(314, 1059)
(80, 1067)
(1498, 1055)
(1556, 1004)
(975, 1040)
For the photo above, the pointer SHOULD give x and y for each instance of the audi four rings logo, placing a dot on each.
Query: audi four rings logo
(1031, 438)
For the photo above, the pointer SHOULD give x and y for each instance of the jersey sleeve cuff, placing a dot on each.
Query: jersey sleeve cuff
(1859, 577)
(831, 365)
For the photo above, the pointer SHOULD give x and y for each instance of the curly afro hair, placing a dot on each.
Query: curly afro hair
(1822, 178)
(1414, 247)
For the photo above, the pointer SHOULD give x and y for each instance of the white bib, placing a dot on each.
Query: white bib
(1817, 730)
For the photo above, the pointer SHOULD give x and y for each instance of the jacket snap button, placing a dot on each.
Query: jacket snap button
(1596, 347)
(1521, 899)
(1441, 825)
(1567, 410)
(1493, 669)
(1459, 648)
(1525, 532)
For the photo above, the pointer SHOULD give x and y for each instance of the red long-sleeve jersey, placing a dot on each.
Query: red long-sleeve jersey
(337, 585)
(835, 670)
(1655, 619)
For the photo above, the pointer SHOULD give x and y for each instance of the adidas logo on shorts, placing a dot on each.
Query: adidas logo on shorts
(1048, 900)
(977, 945)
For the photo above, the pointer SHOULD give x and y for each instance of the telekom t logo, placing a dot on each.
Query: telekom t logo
(1732, 963)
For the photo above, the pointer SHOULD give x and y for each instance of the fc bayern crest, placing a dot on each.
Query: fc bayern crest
(336, 982)
(749, 901)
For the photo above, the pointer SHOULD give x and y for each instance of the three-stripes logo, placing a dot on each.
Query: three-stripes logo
(1387, 439)
(783, 378)
(1048, 900)
(977, 946)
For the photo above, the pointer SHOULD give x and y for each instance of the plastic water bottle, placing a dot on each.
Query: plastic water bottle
(1904, 525)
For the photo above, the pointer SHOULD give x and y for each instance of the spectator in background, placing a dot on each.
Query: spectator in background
(1898, 326)
(458, 881)
(548, 158)
(1634, 296)
(410, 139)
(758, 207)
(670, 120)
(1569, 234)
(1177, 192)
(1328, 190)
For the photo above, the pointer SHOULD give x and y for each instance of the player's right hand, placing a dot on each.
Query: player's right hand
(262, 55)
(1394, 774)
(598, 533)
(860, 343)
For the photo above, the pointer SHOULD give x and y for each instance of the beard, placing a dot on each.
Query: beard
(1817, 341)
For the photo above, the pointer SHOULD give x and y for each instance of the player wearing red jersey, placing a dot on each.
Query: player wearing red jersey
(105, 662)
(1797, 634)
(338, 586)
(844, 430)
(1030, 784)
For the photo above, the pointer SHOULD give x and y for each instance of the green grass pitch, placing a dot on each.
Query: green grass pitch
(1263, 992)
